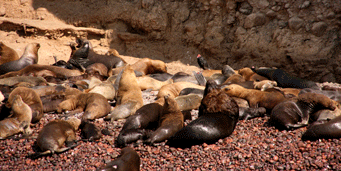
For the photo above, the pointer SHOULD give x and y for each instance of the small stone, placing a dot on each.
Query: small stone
(245, 8)
(295, 23)
(305, 4)
(319, 28)
(253, 20)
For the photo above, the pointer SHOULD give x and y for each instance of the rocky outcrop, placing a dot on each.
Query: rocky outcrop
(301, 37)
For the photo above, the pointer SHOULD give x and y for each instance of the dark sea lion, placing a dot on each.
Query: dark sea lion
(129, 96)
(7, 54)
(171, 121)
(53, 135)
(324, 130)
(89, 131)
(187, 91)
(128, 160)
(31, 98)
(184, 77)
(128, 136)
(246, 113)
(94, 105)
(43, 70)
(161, 76)
(86, 56)
(29, 57)
(19, 121)
(284, 79)
(256, 98)
(218, 116)
(296, 113)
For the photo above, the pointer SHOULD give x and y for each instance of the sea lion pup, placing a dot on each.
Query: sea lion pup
(43, 70)
(334, 95)
(19, 121)
(146, 117)
(29, 57)
(264, 84)
(54, 134)
(296, 113)
(171, 121)
(218, 116)
(31, 98)
(128, 160)
(94, 105)
(7, 54)
(284, 79)
(326, 130)
(249, 75)
(90, 132)
(35, 81)
(256, 98)
(146, 82)
(129, 96)
(174, 89)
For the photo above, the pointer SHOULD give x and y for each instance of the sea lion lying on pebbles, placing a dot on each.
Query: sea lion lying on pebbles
(19, 121)
(128, 160)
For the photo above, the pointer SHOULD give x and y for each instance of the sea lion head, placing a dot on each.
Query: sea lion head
(31, 51)
(75, 122)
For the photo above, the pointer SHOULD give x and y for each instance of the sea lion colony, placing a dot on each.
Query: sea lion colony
(70, 90)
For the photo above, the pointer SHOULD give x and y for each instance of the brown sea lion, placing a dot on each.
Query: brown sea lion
(53, 135)
(233, 79)
(97, 69)
(171, 121)
(218, 116)
(256, 98)
(249, 75)
(31, 98)
(334, 95)
(146, 82)
(19, 121)
(129, 96)
(174, 89)
(145, 66)
(43, 70)
(29, 57)
(209, 73)
(188, 102)
(128, 160)
(327, 129)
(35, 81)
(94, 105)
(7, 54)
(296, 113)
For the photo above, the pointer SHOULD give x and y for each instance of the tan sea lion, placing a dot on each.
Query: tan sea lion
(129, 96)
(174, 89)
(7, 54)
(264, 84)
(31, 98)
(35, 81)
(249, 75)
(29, 57)
(19, 121)
(145, 66)
(94, 105)
(146, 82)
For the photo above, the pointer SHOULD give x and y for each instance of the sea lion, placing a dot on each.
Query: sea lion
(94, 105)
(86, 56)
(174, 89)
(35, 81)
(326, 130)
(146, 117)
(295, 113)
(29, 57)
(184, 77)
(146, 82)
(128, 160)
(7, 54)
(89, 131)
(188, 102)
(249, 75)
(196, 91)
(218, 116)
(334, 95)
(171, 121)
(97, 69)
(284, 79)
(43, 70)
(105, 88)
(264, 84)
(256, 98)
(209, 73)
(31, 98)
(19, 121)
(149, 66)
(54, 134)
(129, 96)
(233, 79)
(161, 76)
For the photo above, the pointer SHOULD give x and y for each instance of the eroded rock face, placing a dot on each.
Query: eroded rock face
(301, 37)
